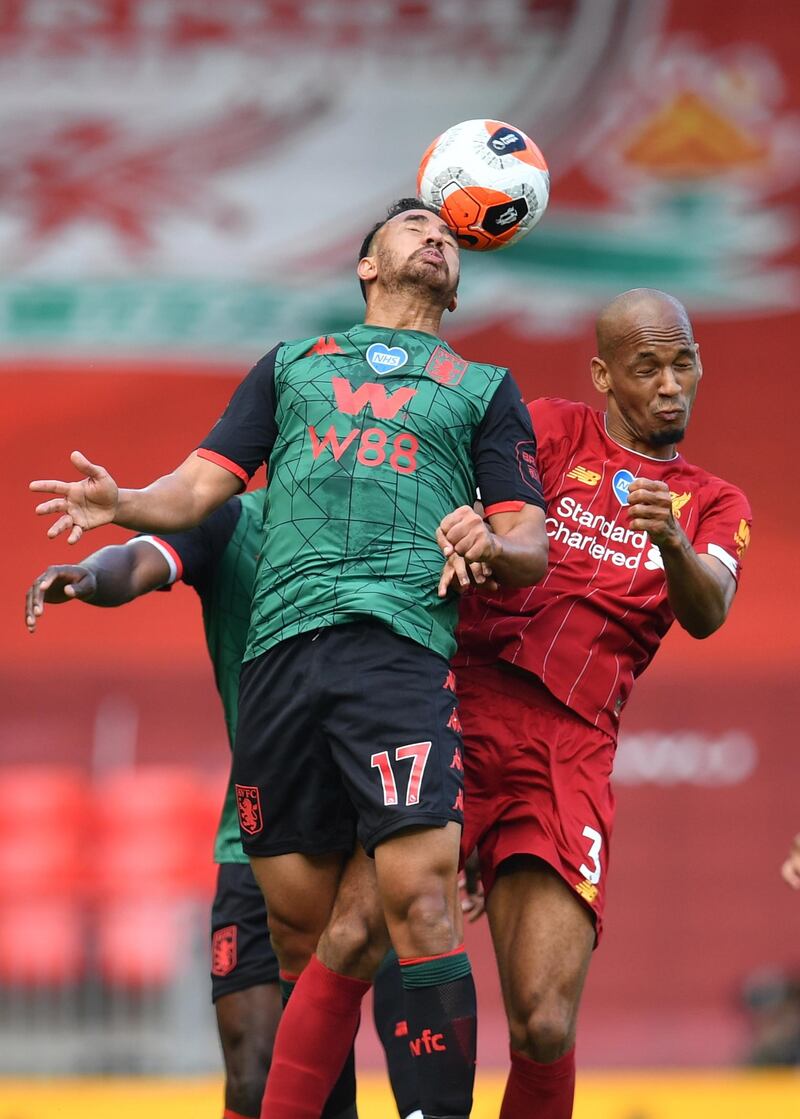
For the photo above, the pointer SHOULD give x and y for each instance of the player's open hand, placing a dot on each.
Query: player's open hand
(458, 575)
(83, 505)
(60, 583)
(790, 870)
(464, 532)
(650, 510)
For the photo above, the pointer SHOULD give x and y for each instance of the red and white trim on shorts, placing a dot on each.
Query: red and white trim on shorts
(225, 463)
(168, 552)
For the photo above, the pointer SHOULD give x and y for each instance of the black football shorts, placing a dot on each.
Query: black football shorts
(345, 731)
(241, 953)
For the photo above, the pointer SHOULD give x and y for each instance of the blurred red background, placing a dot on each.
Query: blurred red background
(695, 901)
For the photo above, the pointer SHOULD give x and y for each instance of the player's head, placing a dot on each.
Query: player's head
(412, 247)
(648, 365)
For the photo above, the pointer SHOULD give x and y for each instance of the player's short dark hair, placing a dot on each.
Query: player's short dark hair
(398, 207)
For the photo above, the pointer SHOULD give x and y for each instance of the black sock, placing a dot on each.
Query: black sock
(442, 1033)
(389, 1009)
(342, 1100)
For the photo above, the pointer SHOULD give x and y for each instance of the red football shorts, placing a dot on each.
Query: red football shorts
(536, 781)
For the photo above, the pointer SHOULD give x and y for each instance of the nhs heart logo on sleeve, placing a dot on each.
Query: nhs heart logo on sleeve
(620, 484)
(385, 360)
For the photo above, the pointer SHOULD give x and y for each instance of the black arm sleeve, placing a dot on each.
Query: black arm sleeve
(200, 549)
(504, 451)
(246, 431)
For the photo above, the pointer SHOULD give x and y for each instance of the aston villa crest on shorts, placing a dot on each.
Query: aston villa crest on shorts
(248, 805)
(445, 367)
(223, 951)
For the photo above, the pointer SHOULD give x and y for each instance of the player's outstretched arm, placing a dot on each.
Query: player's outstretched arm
(109, 577)
(177, 501)
(513, 544)
(700, 588)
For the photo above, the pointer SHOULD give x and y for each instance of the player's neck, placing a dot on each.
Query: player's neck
(624, 436)
(403, 311)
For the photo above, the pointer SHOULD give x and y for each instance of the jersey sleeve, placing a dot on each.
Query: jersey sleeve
(193, 555)
(724, 529)
(504, 453)
(245, 433)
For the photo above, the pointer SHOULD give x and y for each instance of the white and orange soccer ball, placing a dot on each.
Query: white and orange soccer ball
(488, 180)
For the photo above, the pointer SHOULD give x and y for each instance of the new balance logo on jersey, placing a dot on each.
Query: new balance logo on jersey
(429, 1042)
(583, 474)
(385, 405)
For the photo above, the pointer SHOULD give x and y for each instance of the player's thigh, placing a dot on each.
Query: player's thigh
(392, 723)
(289, 792)
(300, 891)
(543, 937)
(548, 791)
(418, 881)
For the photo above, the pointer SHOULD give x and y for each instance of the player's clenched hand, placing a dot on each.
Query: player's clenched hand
(60, 583)
(791, 868)
(458, 575)
(464, 532)
(650, 510)
(83, 505)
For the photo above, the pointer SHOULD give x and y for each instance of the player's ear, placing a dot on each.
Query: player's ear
(600, 378)
(699, 362)
(367, 269)
(451, 306)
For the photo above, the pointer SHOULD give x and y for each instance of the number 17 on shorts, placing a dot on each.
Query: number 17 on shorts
(415, 753)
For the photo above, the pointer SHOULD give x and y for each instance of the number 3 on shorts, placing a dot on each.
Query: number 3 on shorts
(593, 853)
(418, 753)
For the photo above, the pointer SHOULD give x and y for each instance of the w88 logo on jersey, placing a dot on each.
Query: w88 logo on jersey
(373, 446)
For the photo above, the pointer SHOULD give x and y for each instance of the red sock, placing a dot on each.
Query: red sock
(228, 1114)
(314, 1037)
(543, 1091)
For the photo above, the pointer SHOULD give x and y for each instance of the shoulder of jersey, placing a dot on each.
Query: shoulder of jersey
(711, 485)
(559, 418)
(319, 345)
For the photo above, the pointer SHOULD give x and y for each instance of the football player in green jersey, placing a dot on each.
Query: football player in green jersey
(218, 559)
(348, 746)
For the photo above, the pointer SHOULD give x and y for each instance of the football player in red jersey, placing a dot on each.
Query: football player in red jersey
(638, 539)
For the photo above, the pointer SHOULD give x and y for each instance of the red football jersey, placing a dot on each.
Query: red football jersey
(597, 617)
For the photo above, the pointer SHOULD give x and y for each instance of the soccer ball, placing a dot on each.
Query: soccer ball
(488, 180)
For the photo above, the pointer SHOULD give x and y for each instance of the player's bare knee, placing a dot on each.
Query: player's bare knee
(428, 924)
(544, 1030)
(353, 944)
(247, 1055)
(293, 945)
